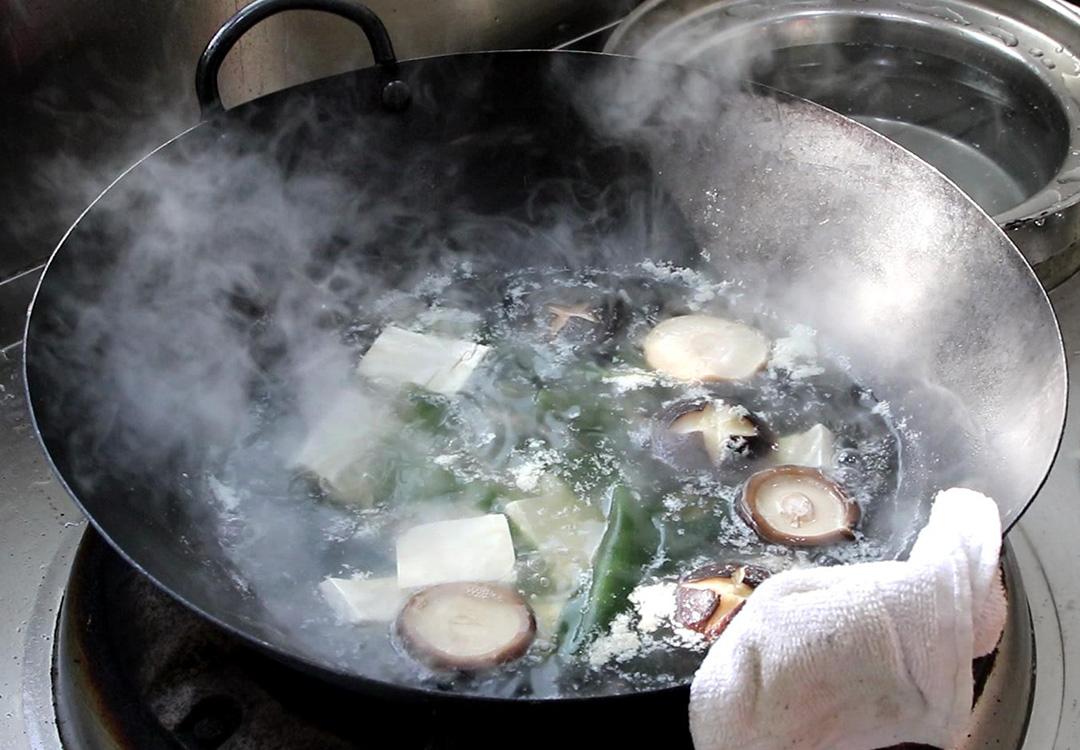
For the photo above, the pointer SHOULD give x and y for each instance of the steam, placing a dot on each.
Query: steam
(211, 308)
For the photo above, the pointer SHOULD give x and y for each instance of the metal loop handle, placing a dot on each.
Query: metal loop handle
(395, 94)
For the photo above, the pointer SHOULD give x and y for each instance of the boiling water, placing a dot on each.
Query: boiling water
(987, 182)
(578, 408)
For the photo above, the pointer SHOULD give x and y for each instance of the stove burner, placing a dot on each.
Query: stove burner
(134, 668)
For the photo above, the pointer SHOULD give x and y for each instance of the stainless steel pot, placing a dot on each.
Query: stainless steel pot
(986, 90)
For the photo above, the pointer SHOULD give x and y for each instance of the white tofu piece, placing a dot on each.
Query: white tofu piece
(464, 549)
(438, 364)
(449, 321)
(548, 611)
(813, 448)
(337, 446)
(797, 353)
(565, 530)
(360, 599)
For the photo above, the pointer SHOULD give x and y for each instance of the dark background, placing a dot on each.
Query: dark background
(87, 87)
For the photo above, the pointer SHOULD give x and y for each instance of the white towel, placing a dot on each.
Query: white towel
(861, 656)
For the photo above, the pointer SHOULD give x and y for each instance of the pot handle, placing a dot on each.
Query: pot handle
(395, 92)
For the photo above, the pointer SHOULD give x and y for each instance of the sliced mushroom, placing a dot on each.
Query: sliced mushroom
(708, 598)
(798, 506)
(710, 435)
(466, 626)
(705, 348)
(586, 319)
(561, 315)
(724, 429)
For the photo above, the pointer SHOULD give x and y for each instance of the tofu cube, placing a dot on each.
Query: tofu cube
(337, 445)
(813, 448)
(464, 549)
(438, 364)
(565, 531)
(548, 611)
(359, 600)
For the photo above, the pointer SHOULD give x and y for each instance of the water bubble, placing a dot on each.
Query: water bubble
(1050, 64)
(1036, 52)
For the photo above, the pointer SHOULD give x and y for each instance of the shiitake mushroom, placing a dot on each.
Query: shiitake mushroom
(466, 626)
(704, 348)
(591, 310)
(593, 322)
(708, 598)
(709, 434)
(797, 506)
(585, 318)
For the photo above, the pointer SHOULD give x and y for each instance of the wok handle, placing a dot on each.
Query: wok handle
(395, 93)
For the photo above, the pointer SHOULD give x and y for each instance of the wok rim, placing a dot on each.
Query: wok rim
(365, 684)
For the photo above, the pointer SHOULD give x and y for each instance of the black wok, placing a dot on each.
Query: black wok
(170, 309)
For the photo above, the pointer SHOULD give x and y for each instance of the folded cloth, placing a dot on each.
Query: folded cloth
(861, 656)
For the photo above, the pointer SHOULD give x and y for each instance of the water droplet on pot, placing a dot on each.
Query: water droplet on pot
(1071, 176)
(744, 10)
(1005, 37)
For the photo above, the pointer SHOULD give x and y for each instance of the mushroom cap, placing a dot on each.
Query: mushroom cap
(750, 575)
(705, 348)
(466, 626)
(588, 319)
(706, 434)
(797, 506)
(709, 597)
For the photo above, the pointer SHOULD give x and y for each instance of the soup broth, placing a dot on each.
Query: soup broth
(523, 415)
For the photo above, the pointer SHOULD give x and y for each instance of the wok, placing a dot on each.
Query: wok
(212, 278)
